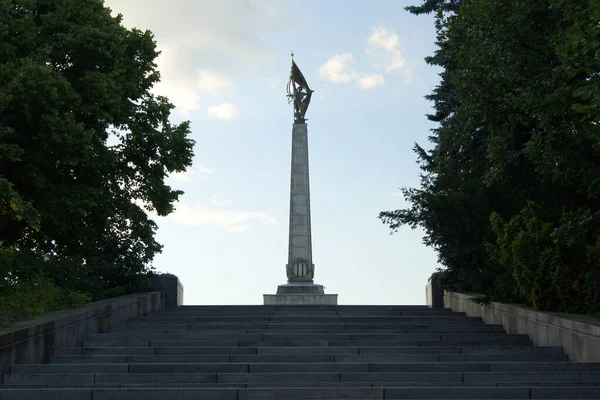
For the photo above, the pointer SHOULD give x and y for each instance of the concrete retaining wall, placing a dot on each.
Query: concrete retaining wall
(578, 335)
(32, 342)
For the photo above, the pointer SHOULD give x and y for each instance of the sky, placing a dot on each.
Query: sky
(224, 65)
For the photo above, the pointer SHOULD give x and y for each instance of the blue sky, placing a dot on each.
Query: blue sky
(225, 64)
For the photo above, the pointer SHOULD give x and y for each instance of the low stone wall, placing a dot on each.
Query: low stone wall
(172, 287)
(578, 335)
(32, 342)
(434, 295)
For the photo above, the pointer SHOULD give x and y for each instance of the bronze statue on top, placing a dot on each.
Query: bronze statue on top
(299, 93)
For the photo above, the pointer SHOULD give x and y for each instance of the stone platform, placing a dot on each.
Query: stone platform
(300, 294)
(300, 299)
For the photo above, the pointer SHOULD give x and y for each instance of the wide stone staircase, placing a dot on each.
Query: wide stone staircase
(303, 352)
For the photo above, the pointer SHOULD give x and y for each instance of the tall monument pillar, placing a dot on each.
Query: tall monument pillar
(300, 268)
(300, 288)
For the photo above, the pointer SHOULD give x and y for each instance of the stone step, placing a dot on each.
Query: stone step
(283, 384)
(301, 393)
(120, 394)
(387, 378)
(160, 324)
(202, 359)
(336, 377)
(314, 313)
(113, 351)
(156, 350)
(550, 377)
(480, 349)
(248, 323)
(298, 319)
(301, 384)
(306, 343)
(378, 337)
(303, 343)
(302, 367)
(447, 350)
(475, 336)
(497, 367)
(307, 358)
(202, 331)
(150, 369)
(299, 308)
(259, 385)
(501, 358)
(310, 358)
(310, 328)
(297, 353)
(500, 341)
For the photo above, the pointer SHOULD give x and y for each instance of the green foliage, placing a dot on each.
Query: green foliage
(554, 267)
(29, 299)
(592, 277)
(83, 143)
(525, 250)
(429, 6)
(518, 140)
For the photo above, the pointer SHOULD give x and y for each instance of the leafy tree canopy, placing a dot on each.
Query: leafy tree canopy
(83, 143)
(510, 192)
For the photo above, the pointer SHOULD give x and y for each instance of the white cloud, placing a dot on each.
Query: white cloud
(204, 170)
(213, 82)
(180, 93)
(232, 221)
(184, 99)
(273, 83)
(370, 81)
(219, 201)
(395, 61)
(208, 35)
(385, 46)
(177, 89)
(208, 31)
(185, 176)
(191, 174)
(408, 76)
(225, 111)
(338, 68)
(380, 37)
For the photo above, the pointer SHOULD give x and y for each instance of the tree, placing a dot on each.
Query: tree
(518, 141)
(84, 143)
(429, 6)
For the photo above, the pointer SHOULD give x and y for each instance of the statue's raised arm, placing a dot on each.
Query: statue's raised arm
(298, 93)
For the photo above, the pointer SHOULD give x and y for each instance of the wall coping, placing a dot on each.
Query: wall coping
(579, 323)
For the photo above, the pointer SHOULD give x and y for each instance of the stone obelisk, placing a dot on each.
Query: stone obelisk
(300, 269)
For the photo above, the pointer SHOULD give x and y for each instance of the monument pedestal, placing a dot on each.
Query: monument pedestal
(300, 294)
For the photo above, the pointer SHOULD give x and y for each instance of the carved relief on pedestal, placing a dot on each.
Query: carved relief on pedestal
(300, 271)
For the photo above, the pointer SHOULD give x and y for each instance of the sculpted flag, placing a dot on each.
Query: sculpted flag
(296, 76)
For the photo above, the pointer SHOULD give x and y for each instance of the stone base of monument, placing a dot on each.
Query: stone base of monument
(300, 294)
(300, 299)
